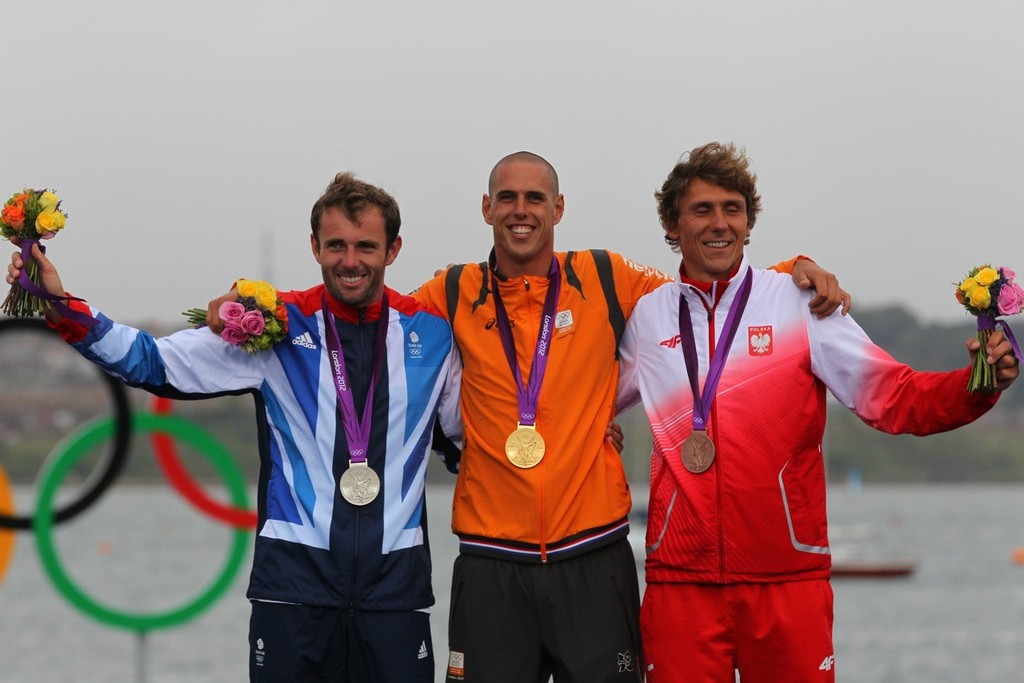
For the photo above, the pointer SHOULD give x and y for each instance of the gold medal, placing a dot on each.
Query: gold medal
(698, 452)
(524, 447)
(359, 484)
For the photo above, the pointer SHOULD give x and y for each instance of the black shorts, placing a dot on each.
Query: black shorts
(576, 620)
(305, 644)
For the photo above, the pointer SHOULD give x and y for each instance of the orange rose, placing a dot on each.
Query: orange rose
(13, 215)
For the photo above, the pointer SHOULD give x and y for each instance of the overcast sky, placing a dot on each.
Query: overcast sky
(188, 140)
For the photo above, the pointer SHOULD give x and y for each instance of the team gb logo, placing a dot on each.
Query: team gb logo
(760, 339)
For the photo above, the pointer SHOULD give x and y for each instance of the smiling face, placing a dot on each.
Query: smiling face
(523, 208)
(711, 230)
(354, 254)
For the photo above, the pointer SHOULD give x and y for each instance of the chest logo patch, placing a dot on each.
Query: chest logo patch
(760, 340)
(563, 319)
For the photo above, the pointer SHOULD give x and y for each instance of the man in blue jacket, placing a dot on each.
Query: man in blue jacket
(346, 402)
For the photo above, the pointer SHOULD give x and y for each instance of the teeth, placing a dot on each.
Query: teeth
(520, 230)
(351, 279)
(717, 244)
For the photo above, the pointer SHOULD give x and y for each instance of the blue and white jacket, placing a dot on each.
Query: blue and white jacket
(312, 547)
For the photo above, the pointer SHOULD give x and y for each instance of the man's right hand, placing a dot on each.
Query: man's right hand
(48, 276)
(213, 320)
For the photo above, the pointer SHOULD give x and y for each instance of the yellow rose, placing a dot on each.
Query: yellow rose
(979, 297)
(48, 201)
(968, 284)
(246, 288)
(986, 276)
(266, 297)
(49, 221)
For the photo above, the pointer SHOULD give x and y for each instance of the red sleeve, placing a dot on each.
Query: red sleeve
(68, 329)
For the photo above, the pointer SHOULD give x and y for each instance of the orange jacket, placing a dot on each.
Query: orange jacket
(577, 497)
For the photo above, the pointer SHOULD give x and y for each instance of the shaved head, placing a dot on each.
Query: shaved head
(528, 157)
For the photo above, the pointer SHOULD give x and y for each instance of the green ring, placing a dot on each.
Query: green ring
(76, 446)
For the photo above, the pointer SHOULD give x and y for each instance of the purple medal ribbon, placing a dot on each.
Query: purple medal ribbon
(357, 431)
(530, 394)
(702, 402)
(86, 321)
(988, 322)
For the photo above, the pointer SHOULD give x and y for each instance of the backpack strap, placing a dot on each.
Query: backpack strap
(451, 290)
(607, 277)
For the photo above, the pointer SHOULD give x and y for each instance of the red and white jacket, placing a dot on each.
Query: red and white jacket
(758, 514)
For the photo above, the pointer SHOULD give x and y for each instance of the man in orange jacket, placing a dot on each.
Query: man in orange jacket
(545, 582)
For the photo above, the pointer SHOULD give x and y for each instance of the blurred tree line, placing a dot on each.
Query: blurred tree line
(989, 450)
(47, 392)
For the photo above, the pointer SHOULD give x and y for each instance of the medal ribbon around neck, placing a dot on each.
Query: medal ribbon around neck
(530, 394)
(357, 431)
(702, 402)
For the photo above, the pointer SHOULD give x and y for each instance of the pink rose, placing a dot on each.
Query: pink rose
(233, 334)
(1007, 273)
(1011, 299)
(252, 322)
(231, 312)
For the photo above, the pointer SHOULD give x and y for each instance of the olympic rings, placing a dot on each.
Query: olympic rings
(69, 453)
(107, 470)
(183, 483)
(6, 535)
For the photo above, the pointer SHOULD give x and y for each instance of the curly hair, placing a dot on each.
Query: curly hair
(353, 197)
(719, 164)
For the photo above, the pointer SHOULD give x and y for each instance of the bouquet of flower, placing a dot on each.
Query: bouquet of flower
(989, 292)
(30, 215)
(254, 321)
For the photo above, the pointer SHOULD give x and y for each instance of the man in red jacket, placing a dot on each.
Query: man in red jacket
(732, 369)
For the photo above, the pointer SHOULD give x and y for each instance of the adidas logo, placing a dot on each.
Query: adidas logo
(423, 651)
(305, 340)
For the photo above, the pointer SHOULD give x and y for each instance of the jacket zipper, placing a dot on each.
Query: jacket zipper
(712, 432)
(356, 521)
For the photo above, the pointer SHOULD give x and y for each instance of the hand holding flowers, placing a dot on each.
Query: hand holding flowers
(987, 293)
(30, 216)
(254, 321)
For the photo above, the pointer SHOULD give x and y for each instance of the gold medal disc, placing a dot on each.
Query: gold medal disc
(524, 447)
(359, 484)
(698, 452)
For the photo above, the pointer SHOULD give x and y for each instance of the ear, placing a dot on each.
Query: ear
(559, 208)
(485, 208)
(393, 250)
(314, 244)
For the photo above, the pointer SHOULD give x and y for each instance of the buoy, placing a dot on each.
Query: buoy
(1018, 556)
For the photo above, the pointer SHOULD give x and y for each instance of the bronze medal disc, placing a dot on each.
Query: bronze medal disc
(698, 452)
(524, 447)
(359, 484)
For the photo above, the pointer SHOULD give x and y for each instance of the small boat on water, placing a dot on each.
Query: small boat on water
(857, 551)
(872, 567)
(860, 551)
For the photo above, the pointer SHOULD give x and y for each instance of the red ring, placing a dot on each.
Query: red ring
(181, 481)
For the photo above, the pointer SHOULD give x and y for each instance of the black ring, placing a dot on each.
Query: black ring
(108, 468)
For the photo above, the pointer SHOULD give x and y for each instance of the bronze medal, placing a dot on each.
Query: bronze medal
(698, 452)
(359, 484)
(524, 447)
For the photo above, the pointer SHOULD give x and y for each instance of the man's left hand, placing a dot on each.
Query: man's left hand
(999, 354)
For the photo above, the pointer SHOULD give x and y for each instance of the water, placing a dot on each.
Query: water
(960, 617)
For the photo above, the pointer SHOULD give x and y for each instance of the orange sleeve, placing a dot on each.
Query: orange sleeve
(787, 266)
(432, 294)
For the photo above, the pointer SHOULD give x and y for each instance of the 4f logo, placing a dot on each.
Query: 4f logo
(828, 663)
(760, 340)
